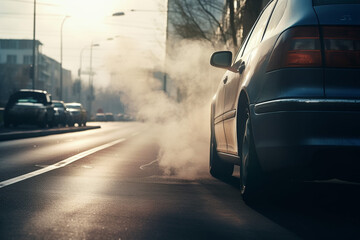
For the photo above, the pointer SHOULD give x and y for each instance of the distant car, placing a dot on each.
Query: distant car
(29, 107)
(288, 105)
(100, 117)
(109, 117)
(120, 117)
(62, 114)
(78, 114)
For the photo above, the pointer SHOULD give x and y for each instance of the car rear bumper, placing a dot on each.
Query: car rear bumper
(307, 138)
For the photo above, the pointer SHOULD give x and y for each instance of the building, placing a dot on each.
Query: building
(15, 70)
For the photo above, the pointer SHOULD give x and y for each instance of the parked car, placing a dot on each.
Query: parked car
(78, 114)
(62, 115)
(288, 105)
(100, 117)
(109, 117)
(29, 107)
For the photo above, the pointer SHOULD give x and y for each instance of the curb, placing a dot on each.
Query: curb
(41, 133)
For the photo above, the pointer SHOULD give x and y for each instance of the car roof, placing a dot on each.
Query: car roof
(73, 103)
(33, 90)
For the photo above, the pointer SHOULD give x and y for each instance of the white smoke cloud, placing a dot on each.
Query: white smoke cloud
(183, 127)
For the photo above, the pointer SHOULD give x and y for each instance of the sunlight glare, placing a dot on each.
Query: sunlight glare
(89, 11)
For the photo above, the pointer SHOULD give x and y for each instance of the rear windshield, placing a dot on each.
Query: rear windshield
(73, 106)
(57, 104)
(329, 2)
(24, 97)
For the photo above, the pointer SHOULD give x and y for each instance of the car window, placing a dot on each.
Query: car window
(241, 50)
(258, 32)
(25, 97)
(28, 100)
(57, 104)
(275, 17)
(73, 106)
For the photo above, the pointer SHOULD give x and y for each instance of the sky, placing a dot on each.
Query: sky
(90, 21)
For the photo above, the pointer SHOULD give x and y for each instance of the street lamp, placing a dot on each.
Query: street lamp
(117, 14)
(61, 56)
(91, 80)
(32, 70)
(91, 74)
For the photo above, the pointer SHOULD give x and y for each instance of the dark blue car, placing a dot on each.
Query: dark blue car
(288, 105)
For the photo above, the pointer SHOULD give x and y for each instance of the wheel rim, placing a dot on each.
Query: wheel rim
(245, 156)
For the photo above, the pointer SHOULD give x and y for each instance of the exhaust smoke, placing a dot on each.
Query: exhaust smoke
(181, 116)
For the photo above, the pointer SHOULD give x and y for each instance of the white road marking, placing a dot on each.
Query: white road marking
(60, 164)
(148, 164)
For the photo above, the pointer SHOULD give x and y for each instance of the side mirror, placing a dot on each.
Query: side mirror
(222, 59)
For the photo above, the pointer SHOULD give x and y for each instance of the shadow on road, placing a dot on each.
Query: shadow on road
(313, 210)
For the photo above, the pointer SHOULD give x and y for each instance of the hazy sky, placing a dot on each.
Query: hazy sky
(90, 21)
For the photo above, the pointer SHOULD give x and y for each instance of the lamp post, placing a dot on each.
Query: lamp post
(91, 74)
(91, 80)
(61, 57)
(32, 70)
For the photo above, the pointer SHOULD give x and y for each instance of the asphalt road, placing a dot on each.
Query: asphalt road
(107, 184)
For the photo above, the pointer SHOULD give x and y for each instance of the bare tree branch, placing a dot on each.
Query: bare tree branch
(215, 20)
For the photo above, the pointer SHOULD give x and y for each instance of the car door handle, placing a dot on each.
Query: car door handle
(241, 68)
(225, 80)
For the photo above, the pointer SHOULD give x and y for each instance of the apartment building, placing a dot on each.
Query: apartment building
(16, 56)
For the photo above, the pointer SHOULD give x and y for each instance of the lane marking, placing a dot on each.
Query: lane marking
(148, 164)
(60, 164)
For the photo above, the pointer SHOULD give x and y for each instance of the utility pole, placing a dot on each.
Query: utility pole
(32, 70)
(91, 86)
(61, 58)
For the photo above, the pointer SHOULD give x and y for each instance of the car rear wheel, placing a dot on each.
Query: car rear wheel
(218, 168)
(251, 176)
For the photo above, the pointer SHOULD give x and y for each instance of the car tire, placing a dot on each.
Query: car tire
(252, 183)
(218, 168)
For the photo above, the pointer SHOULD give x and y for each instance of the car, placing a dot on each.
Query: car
(78, 113)
(29, 107)
(100, 117)
(62, 114)
(109, 117)
(288, 106)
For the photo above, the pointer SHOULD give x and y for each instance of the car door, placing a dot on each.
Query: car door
(237, 79)
(221, 145)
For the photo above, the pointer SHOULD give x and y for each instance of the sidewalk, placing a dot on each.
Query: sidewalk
(29, 132)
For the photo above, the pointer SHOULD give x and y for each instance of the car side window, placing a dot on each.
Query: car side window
(241, 50)
(276, 17)
(258, 31)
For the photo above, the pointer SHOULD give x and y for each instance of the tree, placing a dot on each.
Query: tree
(197, 19)
(249, 13)
(232, 22)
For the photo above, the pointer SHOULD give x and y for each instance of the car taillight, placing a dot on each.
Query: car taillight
(301, 47)
(342, 46)
(297, 47)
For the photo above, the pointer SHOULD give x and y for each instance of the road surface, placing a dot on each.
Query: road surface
(107, 184)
